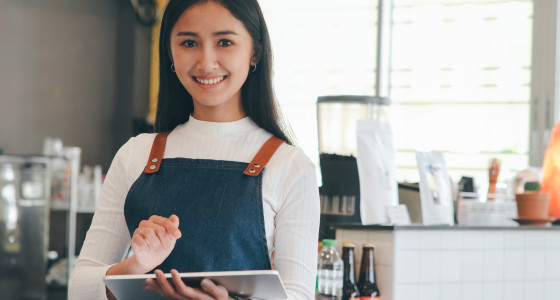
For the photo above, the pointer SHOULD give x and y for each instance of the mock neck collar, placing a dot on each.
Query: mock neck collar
(217, 129)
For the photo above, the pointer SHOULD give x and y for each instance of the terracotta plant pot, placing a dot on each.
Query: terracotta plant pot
(532, 206)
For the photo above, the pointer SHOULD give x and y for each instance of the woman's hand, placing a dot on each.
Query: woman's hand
(154, 239)
(179, 290)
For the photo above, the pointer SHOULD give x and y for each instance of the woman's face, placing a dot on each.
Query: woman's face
(212, 53)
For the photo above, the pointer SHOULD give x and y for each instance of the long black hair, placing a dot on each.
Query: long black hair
(175, 104)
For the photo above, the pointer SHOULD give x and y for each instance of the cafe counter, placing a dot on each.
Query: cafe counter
(461, 262)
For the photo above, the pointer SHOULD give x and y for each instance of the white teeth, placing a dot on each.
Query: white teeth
(210, 81)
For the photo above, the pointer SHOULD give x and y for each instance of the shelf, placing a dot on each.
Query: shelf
(83, 210)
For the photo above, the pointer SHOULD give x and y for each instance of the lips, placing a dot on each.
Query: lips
(209, 81)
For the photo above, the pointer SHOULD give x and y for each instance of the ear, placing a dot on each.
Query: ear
(257, 54)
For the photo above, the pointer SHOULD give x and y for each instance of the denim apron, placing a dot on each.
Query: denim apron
(219, 205)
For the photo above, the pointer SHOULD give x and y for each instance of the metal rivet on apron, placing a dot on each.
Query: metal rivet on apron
(252, 171)
(154, 160)
(256, 165)
(152, 167)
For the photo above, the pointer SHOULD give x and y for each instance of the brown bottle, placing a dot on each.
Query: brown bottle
(349, 289)
(367, 284)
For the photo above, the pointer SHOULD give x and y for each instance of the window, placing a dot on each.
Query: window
(461, 78)
(461, 83)
(321, 47)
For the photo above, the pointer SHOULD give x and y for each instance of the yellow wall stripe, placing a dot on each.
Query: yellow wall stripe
(154, 66)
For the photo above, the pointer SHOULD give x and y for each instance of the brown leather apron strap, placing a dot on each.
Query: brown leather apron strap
(263, 156)
(156, 155)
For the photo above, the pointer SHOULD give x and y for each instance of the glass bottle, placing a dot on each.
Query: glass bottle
(349, 288)
(367, 284)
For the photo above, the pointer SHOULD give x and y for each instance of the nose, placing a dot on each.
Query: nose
(208, 59)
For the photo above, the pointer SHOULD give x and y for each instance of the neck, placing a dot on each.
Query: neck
(216, 114)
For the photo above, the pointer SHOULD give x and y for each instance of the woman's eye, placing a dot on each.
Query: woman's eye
(189, 43)
(225, 43)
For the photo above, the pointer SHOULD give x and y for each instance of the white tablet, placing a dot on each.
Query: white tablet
(265, 284)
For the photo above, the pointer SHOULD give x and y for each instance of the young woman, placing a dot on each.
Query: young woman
(219, 187)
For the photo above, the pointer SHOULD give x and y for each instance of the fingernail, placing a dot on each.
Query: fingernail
(205, 283)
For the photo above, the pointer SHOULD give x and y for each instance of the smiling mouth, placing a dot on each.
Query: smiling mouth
(209, 81)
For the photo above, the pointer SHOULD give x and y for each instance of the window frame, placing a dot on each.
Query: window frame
(545, 102)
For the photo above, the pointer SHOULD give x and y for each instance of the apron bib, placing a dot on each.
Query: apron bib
(219, 205)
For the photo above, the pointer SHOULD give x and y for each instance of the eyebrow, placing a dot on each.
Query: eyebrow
(194, 34)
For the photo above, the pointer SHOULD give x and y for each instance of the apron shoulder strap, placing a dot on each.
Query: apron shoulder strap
(253, 169)
(263, 156)
(156, 155)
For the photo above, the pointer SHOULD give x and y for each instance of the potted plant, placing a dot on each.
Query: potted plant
(532, 204)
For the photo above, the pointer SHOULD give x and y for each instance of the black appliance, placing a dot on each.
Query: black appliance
(336, 124)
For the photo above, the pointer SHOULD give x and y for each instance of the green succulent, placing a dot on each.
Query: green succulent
(532, 186)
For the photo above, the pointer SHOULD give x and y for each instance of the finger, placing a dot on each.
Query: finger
(216, 291)
(170, 225)
(144, 232)
(152, 286)
(164, 238)
(166, 288)
(174, 219)
(138, 242)
(150, 236)
(181, 288)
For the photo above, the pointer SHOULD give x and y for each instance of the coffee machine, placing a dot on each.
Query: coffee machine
(336, 124)
(24, 218)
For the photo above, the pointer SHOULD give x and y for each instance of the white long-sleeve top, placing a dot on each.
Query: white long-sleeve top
(289, 192)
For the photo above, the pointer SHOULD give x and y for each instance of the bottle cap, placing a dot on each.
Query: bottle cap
(348, 244)
(368, 245)
(327, 242)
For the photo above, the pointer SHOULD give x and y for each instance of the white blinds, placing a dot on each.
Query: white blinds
(461, 73)
(321, 47)
(460, 77)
